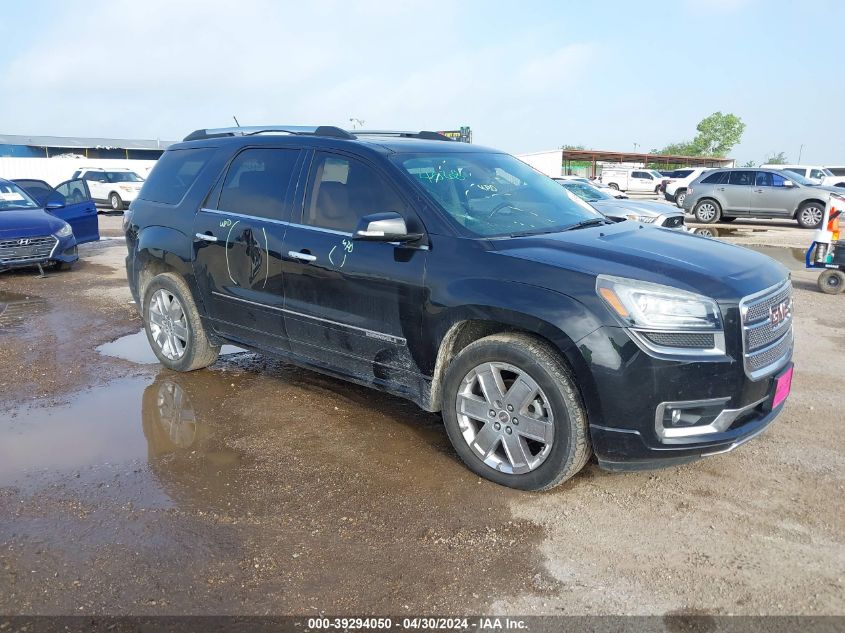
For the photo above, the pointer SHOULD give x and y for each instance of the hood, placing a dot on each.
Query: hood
(699, 264)
(640, 207)
(28, 223)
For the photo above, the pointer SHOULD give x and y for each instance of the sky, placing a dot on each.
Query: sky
(526, 76)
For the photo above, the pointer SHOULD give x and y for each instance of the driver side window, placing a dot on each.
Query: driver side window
(343, 191)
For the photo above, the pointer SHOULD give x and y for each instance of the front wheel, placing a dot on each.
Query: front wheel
(514, 414)
(115, 202)
(832, 282)
(173, 326)
(810, 215)
(707, 211)
(613, 185)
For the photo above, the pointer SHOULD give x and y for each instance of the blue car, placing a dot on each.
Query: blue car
(44, 228)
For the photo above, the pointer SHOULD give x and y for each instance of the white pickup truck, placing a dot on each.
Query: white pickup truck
(633, 180)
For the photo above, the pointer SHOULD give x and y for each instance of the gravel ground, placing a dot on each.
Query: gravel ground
(255, 487)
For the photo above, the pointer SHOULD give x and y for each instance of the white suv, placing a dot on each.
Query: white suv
(676, 187)
(814, 173)
(116, 186)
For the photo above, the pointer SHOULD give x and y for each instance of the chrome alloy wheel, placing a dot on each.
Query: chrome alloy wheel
(706, 212)
(812, 215)
(679, 199)
(175, 414)
(168, 324)
(505, 418)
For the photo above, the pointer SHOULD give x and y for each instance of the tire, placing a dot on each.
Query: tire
(63, 266)
(613, 185)
(810, 215)
(553, 413)
(115, 201)
(679, 198)
(707, 211)
(832, 282)
(175, 333)
(727, 218)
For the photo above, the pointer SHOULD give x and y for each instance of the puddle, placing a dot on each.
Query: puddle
(136, 349)
(792, 258)
(718, 231)
(16, 308)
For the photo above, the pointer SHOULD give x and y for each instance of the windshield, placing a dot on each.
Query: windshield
(827, 172)
(492, 195)
(585, 191)
(13, 197)
(123, 176)
(795, 177)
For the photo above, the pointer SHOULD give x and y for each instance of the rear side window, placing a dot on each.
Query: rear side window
(719, 178)
(744, 178)
(257, 182)
(837, 171)
(174, 173)
(796, 170)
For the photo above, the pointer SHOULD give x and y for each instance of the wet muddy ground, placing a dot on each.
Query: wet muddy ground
(256, 487)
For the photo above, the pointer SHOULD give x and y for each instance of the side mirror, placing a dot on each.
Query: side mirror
(384, 227)
(53, 203)
(788, 183)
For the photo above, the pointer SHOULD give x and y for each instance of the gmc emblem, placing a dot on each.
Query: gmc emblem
(23, 242)
(779, 314)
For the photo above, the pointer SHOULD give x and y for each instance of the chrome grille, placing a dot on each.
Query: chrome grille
(766, 348)
(23, 250)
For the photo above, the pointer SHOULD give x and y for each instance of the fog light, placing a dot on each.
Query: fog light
(676, 416)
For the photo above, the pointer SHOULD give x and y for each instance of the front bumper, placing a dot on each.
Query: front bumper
(631, 386)
(64, 250)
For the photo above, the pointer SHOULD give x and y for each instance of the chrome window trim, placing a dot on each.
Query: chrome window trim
(382, 336)
(693, 434)
(279, 222)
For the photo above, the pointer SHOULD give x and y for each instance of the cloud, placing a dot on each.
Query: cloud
(160, 69)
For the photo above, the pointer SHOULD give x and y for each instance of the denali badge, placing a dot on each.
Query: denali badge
(23, 242)
(780, 314)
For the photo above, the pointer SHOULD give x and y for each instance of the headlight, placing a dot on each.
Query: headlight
(640, 218)
(649, 306)
(65, 231)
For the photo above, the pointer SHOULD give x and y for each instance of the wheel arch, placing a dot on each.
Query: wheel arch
(803, 202)
(160, 250)
(476, 322)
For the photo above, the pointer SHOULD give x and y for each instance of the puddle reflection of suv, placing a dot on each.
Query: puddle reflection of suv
(726, 194)
(461, 279)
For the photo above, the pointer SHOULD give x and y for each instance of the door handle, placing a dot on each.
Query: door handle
(302, 256)
(720, 188)
(205, 238)
(758, 191)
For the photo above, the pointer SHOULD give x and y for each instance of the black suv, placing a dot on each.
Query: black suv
(460, 278)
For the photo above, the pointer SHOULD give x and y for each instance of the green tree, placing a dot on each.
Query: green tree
(717, 135)
(750, 163)
(573, 147)
(777, 159)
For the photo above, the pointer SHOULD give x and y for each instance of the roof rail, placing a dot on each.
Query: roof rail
(318, 130)
(424, 134)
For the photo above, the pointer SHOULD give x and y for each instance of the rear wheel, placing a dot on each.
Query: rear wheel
(613, 185)
(173, 326)
(680, 196)
(707, 211)
(810, 215)
(832, 282)
(115, 201)
(514, 414)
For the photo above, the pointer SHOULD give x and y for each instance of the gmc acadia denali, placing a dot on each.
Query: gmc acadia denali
(461, 279)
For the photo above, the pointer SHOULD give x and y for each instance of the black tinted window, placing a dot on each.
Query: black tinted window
(174, 173)
(37, 189)
(719, 178)
(73, 191)
(742, 178)
(257, 182)
(796, 170)
(345, 190)
(837, 171)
